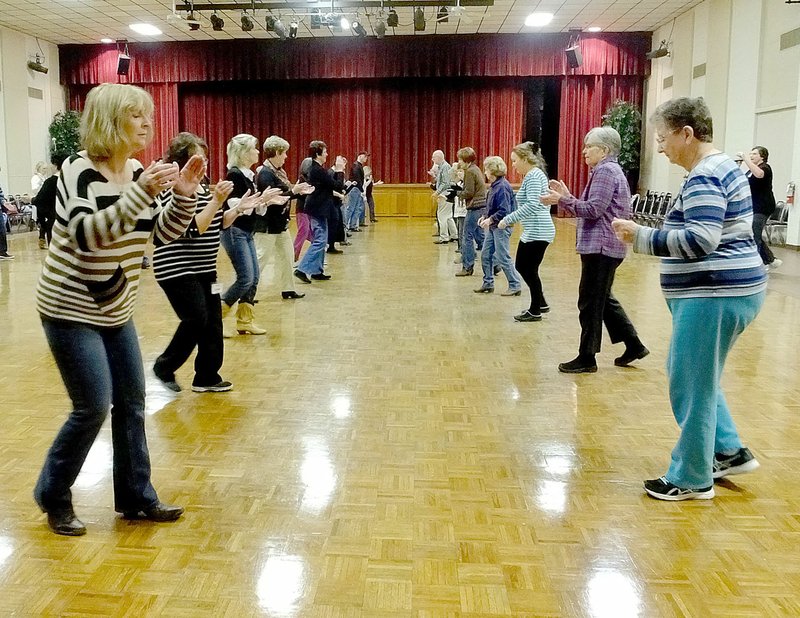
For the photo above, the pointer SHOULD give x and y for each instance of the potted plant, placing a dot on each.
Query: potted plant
(64, 136)
(627, 120)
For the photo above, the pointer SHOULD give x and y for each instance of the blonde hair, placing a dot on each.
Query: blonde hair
(531, 154)
(42, 168)
(238, 148)
(495, 166)
(274, 145)
(107, 108)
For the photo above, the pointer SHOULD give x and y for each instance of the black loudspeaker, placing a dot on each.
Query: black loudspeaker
(574, 57)
(123, 64)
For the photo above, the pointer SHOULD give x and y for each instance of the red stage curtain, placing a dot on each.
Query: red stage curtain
(584, 100)
(399, 124)
(347, 57)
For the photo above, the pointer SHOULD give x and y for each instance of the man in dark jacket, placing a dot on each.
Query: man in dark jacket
(45, 202)
(355, 198)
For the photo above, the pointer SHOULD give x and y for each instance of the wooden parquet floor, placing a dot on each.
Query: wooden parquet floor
(397, 446)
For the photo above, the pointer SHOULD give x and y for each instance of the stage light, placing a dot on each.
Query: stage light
(574, 56)
(217, 23)
(345, 24)
(419, 20)
(358, 29)
(316, 19)
(380, 28)
(442, 16)
(269, 23)
(293, 29)
(392, 20)
(279, 28)
(247, 23)
(663, 50)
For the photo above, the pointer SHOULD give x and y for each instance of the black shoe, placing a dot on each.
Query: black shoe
(220, 387)
(578, 365)
(464, 272)
(512, 293)
(335, 250)
(355, 229)
(483, 290)
(65, 523)
(291, 294)
(373, 220)
(167, 380)
(345, 243)
(544, 309)
(729, 465)
(320, 277)
(302, 276)
(662, 489)
(630, 355)
(157, 512)
(441, 242)
(527, 316)
(497, 270)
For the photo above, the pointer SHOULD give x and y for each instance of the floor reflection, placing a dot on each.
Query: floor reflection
(280, 585)
(317, 474)
(98, 464)
(613, 595)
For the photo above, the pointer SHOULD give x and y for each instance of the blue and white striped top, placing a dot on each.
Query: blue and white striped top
(537, 224)
(707, 242)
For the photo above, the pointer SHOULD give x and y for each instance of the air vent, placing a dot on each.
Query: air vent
(35, 93)
(790, 39)
(668, 82)
(699, 70)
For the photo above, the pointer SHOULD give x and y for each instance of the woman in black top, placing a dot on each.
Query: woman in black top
(759, 175)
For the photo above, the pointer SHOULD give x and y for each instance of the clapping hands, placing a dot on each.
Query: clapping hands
(557, 190)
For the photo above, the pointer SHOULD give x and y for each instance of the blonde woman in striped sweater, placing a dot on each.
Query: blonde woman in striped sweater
(105, 214)
(538, 230)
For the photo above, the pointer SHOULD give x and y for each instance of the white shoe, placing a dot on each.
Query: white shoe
(775, 264)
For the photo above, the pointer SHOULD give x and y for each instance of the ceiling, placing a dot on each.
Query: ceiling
(87, 21)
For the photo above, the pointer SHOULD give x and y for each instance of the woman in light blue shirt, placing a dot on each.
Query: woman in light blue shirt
(538, 230)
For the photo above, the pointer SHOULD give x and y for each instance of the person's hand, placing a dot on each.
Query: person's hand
(302, 188)
(485, 223)
(221, 192)
(248, 203)
(341, 196)
(625, 229)
(740, 156)
(273, 195)
(502, 225)
(190, 176)
(340, 163)
(157, 177)
(378, 182)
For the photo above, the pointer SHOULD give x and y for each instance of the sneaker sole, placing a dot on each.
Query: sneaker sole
(741, 469)
(203, 389)
(703, 495)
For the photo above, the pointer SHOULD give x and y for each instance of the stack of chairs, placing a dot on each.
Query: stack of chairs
(651, 210)
(775, 227)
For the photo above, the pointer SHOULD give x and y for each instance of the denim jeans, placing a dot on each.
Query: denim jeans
(241, 249)
(101, 369)
(495, 251)
(313, 259)
(472, 234)
(354, 211)
(703, 333)
(3, 237)
(200, 314)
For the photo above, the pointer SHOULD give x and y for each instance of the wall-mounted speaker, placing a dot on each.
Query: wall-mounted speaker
(574, 57)
(123, 64)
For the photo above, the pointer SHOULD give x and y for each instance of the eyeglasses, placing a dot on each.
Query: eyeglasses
(660, 139)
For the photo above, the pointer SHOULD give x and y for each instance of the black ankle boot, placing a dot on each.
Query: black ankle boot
(579, 364)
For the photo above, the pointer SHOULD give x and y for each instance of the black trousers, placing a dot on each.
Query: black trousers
(200, 313)
(529, 258)
(597, 305)
(46, 221)
(759, 221)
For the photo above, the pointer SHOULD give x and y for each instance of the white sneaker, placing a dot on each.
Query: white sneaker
(776, 263)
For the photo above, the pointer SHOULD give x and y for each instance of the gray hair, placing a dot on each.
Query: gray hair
(238, 148)
(274, 146)
(686, 112)
(495, 166)
(606, 138)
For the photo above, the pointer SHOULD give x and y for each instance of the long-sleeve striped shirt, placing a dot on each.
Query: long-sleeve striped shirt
(193, 253)
(707, 241)
(537, 224)
(91, 273)
(605, 198)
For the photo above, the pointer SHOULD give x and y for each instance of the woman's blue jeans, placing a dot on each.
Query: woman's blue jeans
(101, 369)
(241, 249)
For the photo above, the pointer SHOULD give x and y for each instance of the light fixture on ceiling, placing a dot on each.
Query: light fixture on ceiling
(123, 57)
(316, 19)
(538, 20)
(145, 29)
(442, 16)
(344, 24)
(217, 23)
(392, 20)
(106, 40)
(37, 64)
(293, 26)
(380, 28)
(279, 28)
(358, 29)
(247, 22)
(663, 50)
(269, 23)
(419, 20)
(573, 52)
(594, 29)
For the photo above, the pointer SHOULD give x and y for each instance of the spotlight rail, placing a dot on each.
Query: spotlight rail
(340, 4)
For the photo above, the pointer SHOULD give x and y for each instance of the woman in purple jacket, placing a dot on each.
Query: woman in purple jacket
(605, 198)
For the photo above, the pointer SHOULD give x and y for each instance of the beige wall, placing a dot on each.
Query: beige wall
(24, 119)
(751, 86)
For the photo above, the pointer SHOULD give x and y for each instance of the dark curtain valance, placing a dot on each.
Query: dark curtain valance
(336, 58)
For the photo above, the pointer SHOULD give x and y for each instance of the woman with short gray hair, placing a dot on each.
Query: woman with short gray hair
(606, 197)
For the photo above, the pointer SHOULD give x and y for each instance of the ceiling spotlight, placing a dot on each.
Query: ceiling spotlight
(247, 23)
(537, 20)
(279, 28)
(358, 29)
(419, 20)
(293, 29)
(217, 23)
(663, 50)
(392, 20)
(269, 23)
(380, 28)
(316, 19)
(442, 16)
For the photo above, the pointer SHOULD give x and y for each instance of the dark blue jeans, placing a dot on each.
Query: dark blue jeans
(102, 369)
(241, 249)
